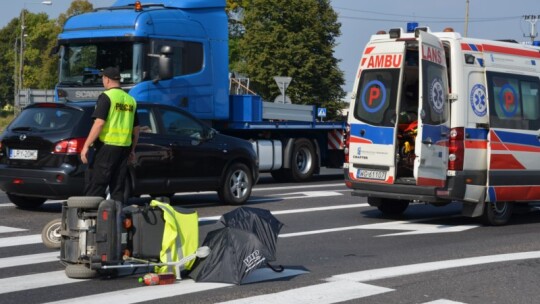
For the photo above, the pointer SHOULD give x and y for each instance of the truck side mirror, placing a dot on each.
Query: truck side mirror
(165, 63)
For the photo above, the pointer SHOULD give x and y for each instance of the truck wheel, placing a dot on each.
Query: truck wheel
(236, 185)
(25, 202)
(393, 207)
(497, 213)
(84, 202)
(80, 271)
(50, 235)
(303, 160)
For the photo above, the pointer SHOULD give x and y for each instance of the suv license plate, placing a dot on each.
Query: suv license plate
(23, 154)
(371, 174)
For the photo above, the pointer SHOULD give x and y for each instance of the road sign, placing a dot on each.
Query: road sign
(283, 83)
(321, 112)
(282, 99)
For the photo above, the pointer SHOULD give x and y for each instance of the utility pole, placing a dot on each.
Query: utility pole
(466, 18)
(532, 19)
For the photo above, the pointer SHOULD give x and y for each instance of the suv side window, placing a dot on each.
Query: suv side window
(147, 121)
(177, 123)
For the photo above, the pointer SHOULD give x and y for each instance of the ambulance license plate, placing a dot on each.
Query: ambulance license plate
(23, 154)
(371, 174)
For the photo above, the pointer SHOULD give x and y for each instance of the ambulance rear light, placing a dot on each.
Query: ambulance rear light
(346, 142)
(456, 149)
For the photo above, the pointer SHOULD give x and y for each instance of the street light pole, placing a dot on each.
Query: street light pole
(21, 40)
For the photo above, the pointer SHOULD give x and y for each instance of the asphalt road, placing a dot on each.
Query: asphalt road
(334, 248)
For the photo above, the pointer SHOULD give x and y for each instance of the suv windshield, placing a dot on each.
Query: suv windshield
(80, 64)
(45, 119)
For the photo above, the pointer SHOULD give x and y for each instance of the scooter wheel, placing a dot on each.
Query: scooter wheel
(50, 235)
(80, 271)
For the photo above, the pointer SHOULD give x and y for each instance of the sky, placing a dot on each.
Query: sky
(360, 19)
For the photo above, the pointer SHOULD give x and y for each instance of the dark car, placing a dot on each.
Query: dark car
(40, 155)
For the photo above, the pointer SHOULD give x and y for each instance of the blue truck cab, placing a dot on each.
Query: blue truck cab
(176, 52)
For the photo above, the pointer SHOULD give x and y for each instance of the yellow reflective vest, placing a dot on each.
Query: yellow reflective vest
(180, 238)
(118, 127)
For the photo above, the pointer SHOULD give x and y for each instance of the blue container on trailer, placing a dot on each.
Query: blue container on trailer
(246, 108)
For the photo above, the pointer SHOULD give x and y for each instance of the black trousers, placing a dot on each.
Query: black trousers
(107, 168)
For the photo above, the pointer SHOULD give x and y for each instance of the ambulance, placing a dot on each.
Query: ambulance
(438, 118)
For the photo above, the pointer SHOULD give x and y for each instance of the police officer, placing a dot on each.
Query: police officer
(114, 135)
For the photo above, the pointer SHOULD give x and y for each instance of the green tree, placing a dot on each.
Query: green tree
(9, 44)
(293, 38)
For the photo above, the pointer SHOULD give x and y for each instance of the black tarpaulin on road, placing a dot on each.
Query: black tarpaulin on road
(260, 222)
(247, 242)
(234, 254)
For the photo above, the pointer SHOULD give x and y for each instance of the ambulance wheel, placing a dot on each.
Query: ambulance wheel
(80, 271)
(497, 213)
(393, 207)
(84, 202)
(303, 160)
(236, 185)
(50, 235)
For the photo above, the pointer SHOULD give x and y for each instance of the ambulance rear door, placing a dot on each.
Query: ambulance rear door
(373, 120)
(431, 145)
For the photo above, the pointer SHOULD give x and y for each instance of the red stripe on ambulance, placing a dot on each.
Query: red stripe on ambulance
(517, 193)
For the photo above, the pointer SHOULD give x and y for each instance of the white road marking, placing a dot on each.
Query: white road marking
(443, 301)
(5, 229)
(35, 280)
(416, 228)
(396, 271)
(20, 240)
(413, 226)
(145, 293)
(29, 259)
(331, 292)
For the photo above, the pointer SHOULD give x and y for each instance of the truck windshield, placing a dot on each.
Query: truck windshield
(80, 64)
(376, 97)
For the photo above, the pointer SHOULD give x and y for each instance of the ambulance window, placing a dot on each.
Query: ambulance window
(376, 97)
(513, 101)
(435, 93)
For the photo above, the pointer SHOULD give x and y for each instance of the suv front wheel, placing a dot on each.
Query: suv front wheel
(236, 185)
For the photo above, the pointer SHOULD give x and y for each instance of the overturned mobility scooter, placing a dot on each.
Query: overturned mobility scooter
(98, 236)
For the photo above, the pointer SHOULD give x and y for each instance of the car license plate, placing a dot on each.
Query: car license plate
(23, 154)
(371, 174)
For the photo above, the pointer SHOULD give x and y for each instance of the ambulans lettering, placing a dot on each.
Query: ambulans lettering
(373, 96)
(478, 100)
(508, 100)
(385, 61)
(432, 54)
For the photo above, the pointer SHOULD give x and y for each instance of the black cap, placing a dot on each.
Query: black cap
(111, 72)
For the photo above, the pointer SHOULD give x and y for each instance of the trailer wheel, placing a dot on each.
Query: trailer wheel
(80, 271)
(497, 213)
(303, 160)
(236, 185)
(393, 207)
(50, 235)
(84, 202)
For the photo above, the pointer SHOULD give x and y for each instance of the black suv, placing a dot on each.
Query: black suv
(40, 155)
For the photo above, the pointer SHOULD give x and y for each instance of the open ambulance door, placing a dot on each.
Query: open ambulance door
(431, 146)
(373, 121)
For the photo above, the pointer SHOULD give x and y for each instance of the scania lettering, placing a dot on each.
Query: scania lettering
(438, 118)
(176, 52)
